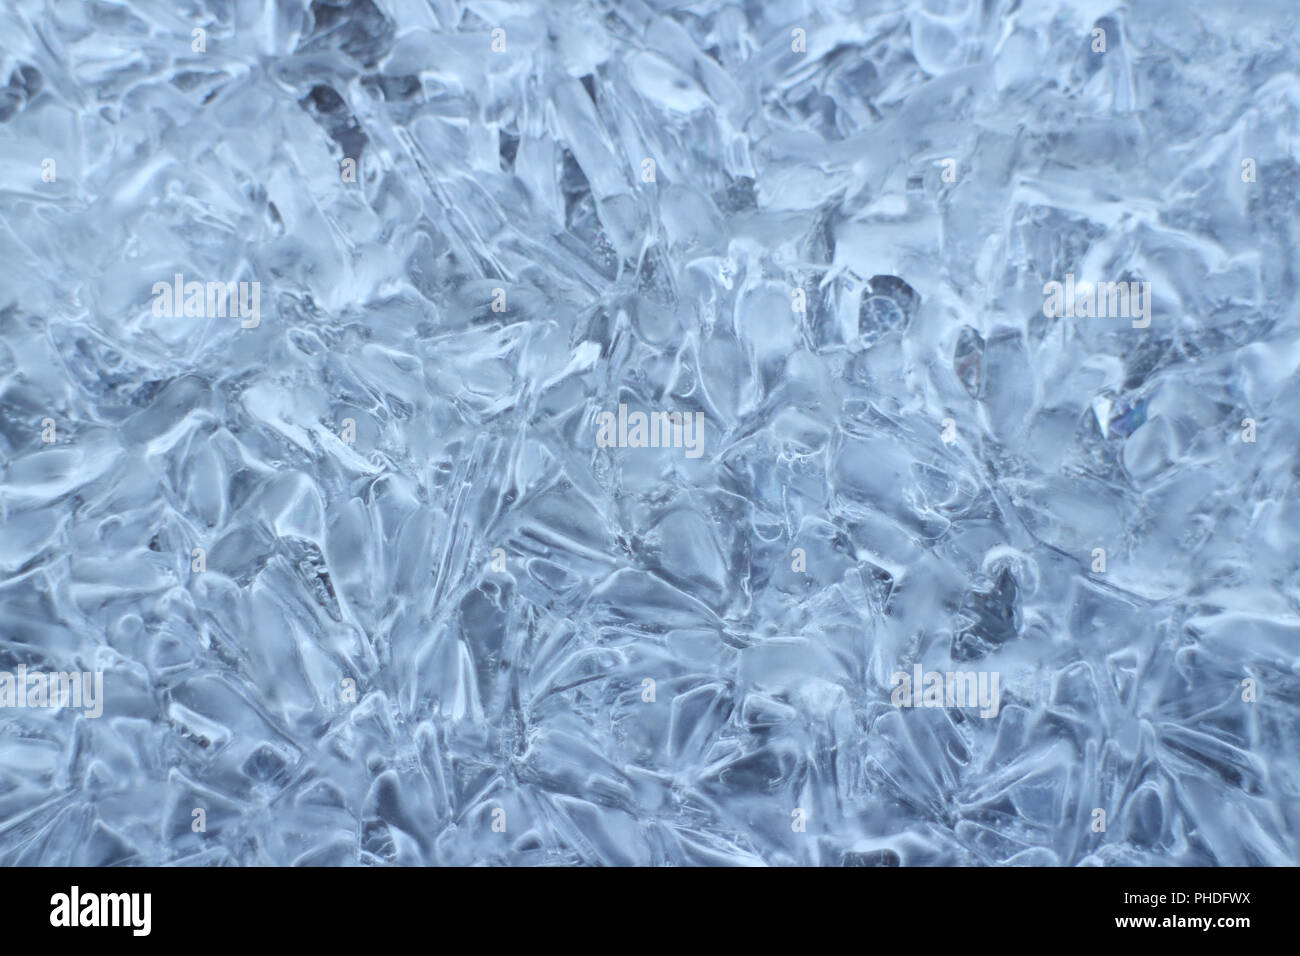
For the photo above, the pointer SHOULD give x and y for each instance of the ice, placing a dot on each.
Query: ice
(365, 588)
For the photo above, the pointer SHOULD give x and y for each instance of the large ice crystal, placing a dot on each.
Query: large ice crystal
(608, 432)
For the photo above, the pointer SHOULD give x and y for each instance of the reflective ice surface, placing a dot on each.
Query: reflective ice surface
(363, 584)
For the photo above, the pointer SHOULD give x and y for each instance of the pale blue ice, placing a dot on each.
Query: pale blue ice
(365, 588)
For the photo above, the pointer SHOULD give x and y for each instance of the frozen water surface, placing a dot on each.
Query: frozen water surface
(616, 401)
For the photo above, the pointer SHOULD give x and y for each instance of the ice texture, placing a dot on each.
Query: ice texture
(433, 620)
